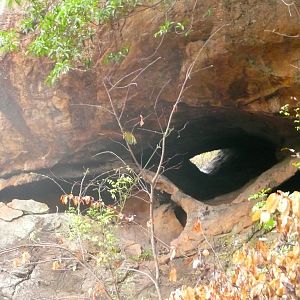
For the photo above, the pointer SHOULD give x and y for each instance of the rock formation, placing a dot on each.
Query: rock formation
(246, 66)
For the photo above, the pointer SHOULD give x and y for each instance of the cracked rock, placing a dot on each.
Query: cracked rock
(29, 206)
(8, 214)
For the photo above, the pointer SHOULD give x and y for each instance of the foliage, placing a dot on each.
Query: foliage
(129, 138)
(120, 189)
(116, 57)
(146, 255)
(64, 30)
(8, 41)
(168, 26)
(208, 13)
(261, 194)
(97, 227)
(294, 114)
(270, 270)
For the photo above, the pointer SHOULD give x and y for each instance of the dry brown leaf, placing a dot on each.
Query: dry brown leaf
(25, 258)
(188, 294)
(188, 261)
(197, 226)
(17, 262)
(262, 248)
(64, 199)
(238, 257)
(173, 275)
(56, 265)
(272, 203)
(256, 216)
(295, 199)
(284, 206)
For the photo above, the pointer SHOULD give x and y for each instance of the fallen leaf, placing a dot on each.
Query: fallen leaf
(284, 206)
(256, 216)
(295, 198)
(272, 203)
(64, 199)
(25, 257)
(141, 121)
(55, 265)
(197, 226)
(188, 294)
(173, 275)
(172, 253)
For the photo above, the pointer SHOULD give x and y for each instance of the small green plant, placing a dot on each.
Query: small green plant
(164, 28)
(270, 223)
(208, 13)
(97, 227)
(146, 255)
(294, 114)
(120, 189)
(168, 26)
(260, 195)
(9, 41)
(116, 57)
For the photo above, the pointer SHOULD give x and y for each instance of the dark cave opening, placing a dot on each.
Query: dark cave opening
(180, 215)
(245, 157)
(250, 143)
(47, 191)
(290, 185)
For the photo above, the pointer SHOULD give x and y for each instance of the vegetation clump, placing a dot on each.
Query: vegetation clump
(269, 270)
(63, 31)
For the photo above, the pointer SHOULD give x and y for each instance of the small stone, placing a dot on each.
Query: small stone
(29, 206)
(133, 249)
(8, 214)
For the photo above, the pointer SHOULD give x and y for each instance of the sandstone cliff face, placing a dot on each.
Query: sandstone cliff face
(244, 74)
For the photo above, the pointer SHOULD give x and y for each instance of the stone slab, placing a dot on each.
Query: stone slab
(8, 214)
(29, 206)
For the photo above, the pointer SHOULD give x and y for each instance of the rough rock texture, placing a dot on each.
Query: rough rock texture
(167, 226)
(29, 206)
(39, 261)
(8, 214)
(244, 66)
(242, 75)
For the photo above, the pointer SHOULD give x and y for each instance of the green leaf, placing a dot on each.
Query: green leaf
(269, 225)
(129, 138)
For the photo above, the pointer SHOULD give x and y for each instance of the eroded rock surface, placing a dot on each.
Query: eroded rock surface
(241, 78)
(29, 206)
(245, 66)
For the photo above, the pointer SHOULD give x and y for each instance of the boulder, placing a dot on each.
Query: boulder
(29, 206)
(244, 71)
(9, 214)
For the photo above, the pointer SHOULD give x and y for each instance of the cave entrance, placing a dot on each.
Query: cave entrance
(290, 185)
(221, 170)
(210, 162)
(49, 191)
